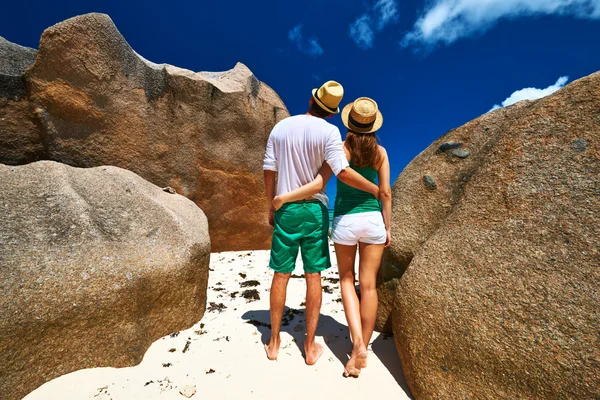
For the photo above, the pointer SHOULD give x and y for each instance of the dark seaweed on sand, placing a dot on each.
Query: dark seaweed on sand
(216, 307)
(251, 283)
(251, 294)
(288, 316)
(258, 323)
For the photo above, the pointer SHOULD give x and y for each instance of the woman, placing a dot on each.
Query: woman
(359, 220)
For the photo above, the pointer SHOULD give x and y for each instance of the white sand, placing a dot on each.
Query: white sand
(225, 343)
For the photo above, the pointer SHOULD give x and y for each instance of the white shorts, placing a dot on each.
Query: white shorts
(367, 227)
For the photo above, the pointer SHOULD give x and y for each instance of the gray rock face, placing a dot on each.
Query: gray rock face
(461, 153)
(579, 145)
(429, 181)
(92, 100)
(14, 60)
(20, 132)
(95, 264)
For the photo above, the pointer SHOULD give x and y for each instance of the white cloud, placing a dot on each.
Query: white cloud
(362, 33)
(532, 93)
(386, 12)
(309, 46)
(446, 21)
(381, 14)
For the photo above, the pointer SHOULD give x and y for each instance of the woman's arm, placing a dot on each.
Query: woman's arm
(307, 190)
(385, 194)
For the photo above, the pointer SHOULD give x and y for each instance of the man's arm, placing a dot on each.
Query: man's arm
(336, 158)
(270, 173)
(352, 178)
(270, 190)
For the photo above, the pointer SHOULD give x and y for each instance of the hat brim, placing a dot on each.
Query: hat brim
(376, 125)
(323, 106)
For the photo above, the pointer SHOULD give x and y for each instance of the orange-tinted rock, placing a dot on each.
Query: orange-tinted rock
(204, 134)
(95, 265)
(501, 295)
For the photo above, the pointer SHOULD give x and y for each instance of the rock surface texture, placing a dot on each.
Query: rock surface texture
(95, 265)
(496, 270)
(96, 102)
(20, 132)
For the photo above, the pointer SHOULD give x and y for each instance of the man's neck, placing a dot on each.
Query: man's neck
(313, 115)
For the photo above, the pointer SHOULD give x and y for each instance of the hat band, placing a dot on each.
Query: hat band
(359, 125)
(323, 104)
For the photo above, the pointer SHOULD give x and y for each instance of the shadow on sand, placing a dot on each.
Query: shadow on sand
(385, 349)
(335, 335)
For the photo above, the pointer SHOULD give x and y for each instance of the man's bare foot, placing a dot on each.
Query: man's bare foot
(272, 349)
(313, 353)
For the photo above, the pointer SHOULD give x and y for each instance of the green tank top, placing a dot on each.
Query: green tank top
(352, 201)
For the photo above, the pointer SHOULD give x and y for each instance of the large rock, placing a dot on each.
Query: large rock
(20, 133)
(97, 102)
(95, 264)
(501, 237)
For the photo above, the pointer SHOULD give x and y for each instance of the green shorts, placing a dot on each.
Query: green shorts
(303, 225)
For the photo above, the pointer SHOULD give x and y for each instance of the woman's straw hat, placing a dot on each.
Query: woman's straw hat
(362, 116)
(329, 96)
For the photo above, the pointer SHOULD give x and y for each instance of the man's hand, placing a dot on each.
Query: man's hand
(272, 217)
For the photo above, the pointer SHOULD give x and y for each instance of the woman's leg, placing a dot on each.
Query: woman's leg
(370, 259)
(345, 257)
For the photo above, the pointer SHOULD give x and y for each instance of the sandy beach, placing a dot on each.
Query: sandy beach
(222, 355)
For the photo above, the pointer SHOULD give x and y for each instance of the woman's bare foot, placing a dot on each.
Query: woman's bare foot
(313, 353)
(357, 361)
(361, 359)
(272, 349)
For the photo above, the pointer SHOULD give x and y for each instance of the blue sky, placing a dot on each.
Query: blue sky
(431, 65)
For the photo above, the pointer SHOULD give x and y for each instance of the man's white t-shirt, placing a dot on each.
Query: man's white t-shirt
(297, 148)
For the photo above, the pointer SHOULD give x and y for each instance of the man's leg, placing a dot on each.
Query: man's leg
(314, 294)
(315, 257)
(284, 250)
(278, 295)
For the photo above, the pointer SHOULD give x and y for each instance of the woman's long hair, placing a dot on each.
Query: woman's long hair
(364, 151)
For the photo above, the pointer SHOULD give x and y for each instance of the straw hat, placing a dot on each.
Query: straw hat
(329, 96)
(362, 116)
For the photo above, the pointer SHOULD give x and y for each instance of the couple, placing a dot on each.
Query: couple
(302, 153)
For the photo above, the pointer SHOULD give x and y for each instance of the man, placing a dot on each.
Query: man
(297, 148)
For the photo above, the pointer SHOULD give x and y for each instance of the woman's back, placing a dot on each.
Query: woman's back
(350, 200)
